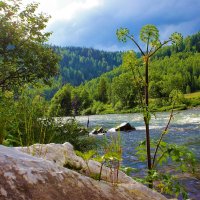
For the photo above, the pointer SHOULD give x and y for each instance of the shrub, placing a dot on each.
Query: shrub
(26, 122)
(73, 133)
(7, 111)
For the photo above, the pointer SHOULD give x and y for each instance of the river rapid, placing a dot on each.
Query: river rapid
(184, 128)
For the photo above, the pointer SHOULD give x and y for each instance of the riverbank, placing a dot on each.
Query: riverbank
(188, 101)
(107, 109)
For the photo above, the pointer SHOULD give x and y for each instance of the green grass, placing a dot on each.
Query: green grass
(193, 99)
(192, 95)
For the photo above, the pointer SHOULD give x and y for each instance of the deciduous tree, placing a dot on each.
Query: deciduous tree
(24, 57)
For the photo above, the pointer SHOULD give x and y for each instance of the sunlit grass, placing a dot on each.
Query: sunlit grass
(192, 95)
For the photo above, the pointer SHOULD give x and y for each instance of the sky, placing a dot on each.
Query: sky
(93, 23)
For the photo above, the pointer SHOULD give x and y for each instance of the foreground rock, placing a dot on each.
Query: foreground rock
(64, 155)
(28, 177)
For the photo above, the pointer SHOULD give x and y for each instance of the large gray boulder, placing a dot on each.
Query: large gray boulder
(28, 177)
(64, 155)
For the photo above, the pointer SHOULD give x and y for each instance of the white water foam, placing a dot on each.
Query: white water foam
(150, 127)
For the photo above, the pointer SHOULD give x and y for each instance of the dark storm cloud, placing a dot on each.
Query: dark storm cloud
(96, 27)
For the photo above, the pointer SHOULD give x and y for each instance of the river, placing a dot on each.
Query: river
(184, 129)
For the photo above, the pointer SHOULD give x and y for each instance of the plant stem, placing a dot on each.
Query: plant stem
(118, 164)
(146, 120)
(101, 170)
(155, 164)
(161, 137)
(131, 38)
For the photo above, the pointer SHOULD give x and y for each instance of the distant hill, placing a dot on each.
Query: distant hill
(78, 64)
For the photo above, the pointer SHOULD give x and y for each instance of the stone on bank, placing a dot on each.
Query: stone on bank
(37, 173)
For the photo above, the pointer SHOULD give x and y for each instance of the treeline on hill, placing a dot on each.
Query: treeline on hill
(189, 44)
(78, 64)
(117, 91)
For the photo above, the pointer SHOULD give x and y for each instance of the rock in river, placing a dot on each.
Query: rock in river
(99, 131)
(125, 127)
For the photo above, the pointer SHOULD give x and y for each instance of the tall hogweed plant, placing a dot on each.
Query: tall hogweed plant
(155, 152)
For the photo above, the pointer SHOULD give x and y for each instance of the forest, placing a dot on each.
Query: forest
(171, 69)
(78, 64)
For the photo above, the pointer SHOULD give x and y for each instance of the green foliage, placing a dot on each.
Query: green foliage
(75, 61)
(192, 99)
(176, 72)
(112, 156)
(86, 155)
(85, 99)
(128, 170)
(23, 55)
(179, 71)
(25, 121)
(179, 156)
(188, 89)
(25, 127)
(165, 184)
(124, 90)
(130, 60)
(7, 110)
(112, 148)
(118, 106)
(97, 107)
(61, 103)
(184, 159)
(70, 131)
(176, 97)
(102, 91)
(70, 101)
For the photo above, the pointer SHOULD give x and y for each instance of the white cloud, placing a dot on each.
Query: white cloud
(93, 23)
(65, 10)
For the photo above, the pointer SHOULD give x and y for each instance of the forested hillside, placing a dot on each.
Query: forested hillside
(118, 89)
(189, 44)
(78, 64)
